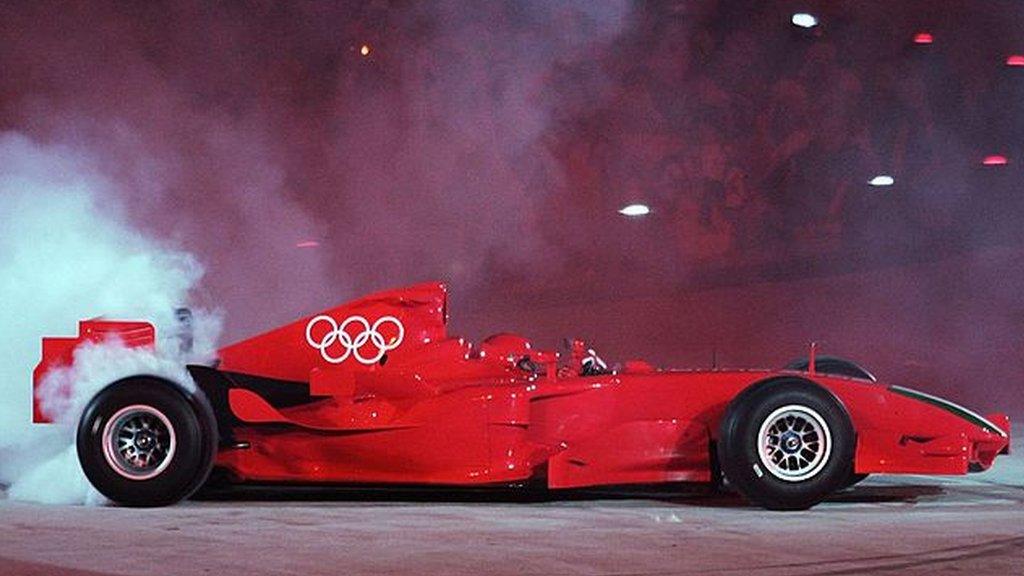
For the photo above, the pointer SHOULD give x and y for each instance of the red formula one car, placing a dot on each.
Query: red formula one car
(376, 392)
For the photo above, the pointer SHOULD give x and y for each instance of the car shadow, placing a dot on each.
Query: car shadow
(906, 494)
(700, 495)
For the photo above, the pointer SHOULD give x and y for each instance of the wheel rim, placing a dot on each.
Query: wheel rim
(794, 443)
(139, 442)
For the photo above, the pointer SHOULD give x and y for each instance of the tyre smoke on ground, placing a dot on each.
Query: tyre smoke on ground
(66, 254)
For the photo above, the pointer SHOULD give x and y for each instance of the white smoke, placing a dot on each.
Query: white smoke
(67, 252)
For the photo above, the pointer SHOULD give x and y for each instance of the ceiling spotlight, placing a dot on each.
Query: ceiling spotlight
(1015, 60)
(882, 180)
(995, 160)
(364, 49)
(923, 38)
(635, 210)
(804, 20)
(307, 244)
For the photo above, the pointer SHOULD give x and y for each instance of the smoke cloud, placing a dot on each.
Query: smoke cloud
(237, 133)
(242, 130)
(68, 253)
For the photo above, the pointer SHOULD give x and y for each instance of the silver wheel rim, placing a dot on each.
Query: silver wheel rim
(794, 443)
(139, 442)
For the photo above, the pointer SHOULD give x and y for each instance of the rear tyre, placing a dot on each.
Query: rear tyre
(786, 444)
(144, 441)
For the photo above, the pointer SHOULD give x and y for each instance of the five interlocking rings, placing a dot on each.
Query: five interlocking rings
(352, 344)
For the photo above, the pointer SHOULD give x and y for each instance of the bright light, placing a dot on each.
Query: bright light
(804, 20)
(364, 49)
(995, 160)
(307, 244)
(882, 180)
(635, 210)
(1015, 60)
(923, 38)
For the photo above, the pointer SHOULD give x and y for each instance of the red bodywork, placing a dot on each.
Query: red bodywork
(389, 397)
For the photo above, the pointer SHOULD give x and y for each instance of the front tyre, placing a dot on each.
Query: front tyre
(144, 441)
(786, 444)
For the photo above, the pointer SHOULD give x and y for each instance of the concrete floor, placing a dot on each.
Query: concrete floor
(887, 525)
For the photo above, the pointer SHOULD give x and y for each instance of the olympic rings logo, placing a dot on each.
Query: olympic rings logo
(368, 334)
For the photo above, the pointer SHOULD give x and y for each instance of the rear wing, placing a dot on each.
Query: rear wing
(58, 352)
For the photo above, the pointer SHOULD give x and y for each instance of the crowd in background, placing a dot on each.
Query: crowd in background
(758, 139)
(493, 142)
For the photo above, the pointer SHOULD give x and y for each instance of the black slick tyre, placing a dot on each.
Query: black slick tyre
(786, 444)
(145, 441)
